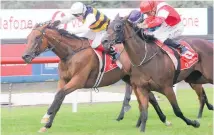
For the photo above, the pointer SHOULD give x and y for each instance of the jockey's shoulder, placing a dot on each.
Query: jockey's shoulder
(162, 4)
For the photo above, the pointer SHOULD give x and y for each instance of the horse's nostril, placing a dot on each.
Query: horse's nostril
(25, 56)
(105, 41)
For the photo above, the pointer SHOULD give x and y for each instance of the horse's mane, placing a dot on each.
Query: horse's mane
(147, 38)
(143, 36)
(62, 32)
(67, 34)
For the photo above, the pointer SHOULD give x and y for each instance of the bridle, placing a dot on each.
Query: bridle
(40, 40)
(50, 46)
(119, 38)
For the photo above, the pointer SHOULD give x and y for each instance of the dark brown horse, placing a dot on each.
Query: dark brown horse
(78, 66)
(152, 69)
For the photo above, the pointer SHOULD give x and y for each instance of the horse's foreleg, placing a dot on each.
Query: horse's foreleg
(75, 83)
(54, 108)
(61, 84)
(139, 105)
(144, 99)
(125, 107)
(173, 101)
(157, 108)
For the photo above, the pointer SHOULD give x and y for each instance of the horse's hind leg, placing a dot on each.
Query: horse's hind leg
(125, 107)
(209, 106)
(172, 99)
(202, 98)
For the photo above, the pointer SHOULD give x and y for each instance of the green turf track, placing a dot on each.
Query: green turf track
(99, 119)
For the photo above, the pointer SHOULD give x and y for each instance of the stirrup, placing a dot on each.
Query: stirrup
(183, 49)
(115, 56)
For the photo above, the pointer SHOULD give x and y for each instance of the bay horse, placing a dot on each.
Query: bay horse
(152, 69)
(78, 67)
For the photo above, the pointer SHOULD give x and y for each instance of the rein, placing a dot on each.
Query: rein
(58, 43)
(145, 56)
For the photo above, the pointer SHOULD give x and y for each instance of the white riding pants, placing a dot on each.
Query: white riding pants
(165, 31)
(95, 36)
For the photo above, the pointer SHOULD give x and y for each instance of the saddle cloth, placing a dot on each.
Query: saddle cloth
(182, 61)
(106, 64)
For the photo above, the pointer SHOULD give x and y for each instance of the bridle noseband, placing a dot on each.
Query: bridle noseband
(40, 39)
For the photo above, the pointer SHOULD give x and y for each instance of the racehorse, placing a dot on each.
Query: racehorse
(152, 68)
(78, 66)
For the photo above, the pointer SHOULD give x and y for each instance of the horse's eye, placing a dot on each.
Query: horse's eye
(117, 27)
(37, 38)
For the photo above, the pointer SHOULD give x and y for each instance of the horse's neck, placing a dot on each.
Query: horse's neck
(75, 43)
(59, 48)
(63, 47)
(134, 45)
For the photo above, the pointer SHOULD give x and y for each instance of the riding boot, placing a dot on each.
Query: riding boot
(183, 49)
(113, 54)
(176, 45)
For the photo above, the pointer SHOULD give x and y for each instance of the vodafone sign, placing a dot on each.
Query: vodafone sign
(58, 15)
(15, 24)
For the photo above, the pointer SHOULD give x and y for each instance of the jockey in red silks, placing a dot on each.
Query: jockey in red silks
(161, 14)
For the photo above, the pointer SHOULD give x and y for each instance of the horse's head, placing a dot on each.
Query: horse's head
(36, 42)
(115, 32)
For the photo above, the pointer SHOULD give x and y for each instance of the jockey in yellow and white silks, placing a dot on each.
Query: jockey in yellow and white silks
(94, 22)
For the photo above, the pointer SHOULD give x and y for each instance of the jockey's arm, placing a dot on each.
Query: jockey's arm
(67, 18)
(155, 21)
(163, 13)
(90, 19)
(158, 19)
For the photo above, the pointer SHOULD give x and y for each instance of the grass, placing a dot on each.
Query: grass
(99, 119)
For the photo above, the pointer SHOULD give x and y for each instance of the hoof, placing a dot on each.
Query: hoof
(142, 128)
(198, 120)
(210, 107)
(119, 118)
(44, 120)
(138, 125)
(42, 130)
(168, 123)
(196, 124)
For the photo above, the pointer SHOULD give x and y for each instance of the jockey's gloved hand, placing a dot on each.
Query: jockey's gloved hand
(56, 23)
(62, 32)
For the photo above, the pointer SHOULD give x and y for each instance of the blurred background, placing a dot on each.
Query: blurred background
(11, 4)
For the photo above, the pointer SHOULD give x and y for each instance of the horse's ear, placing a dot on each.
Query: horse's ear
(36, 25)
(117, 16)
(125, 18)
